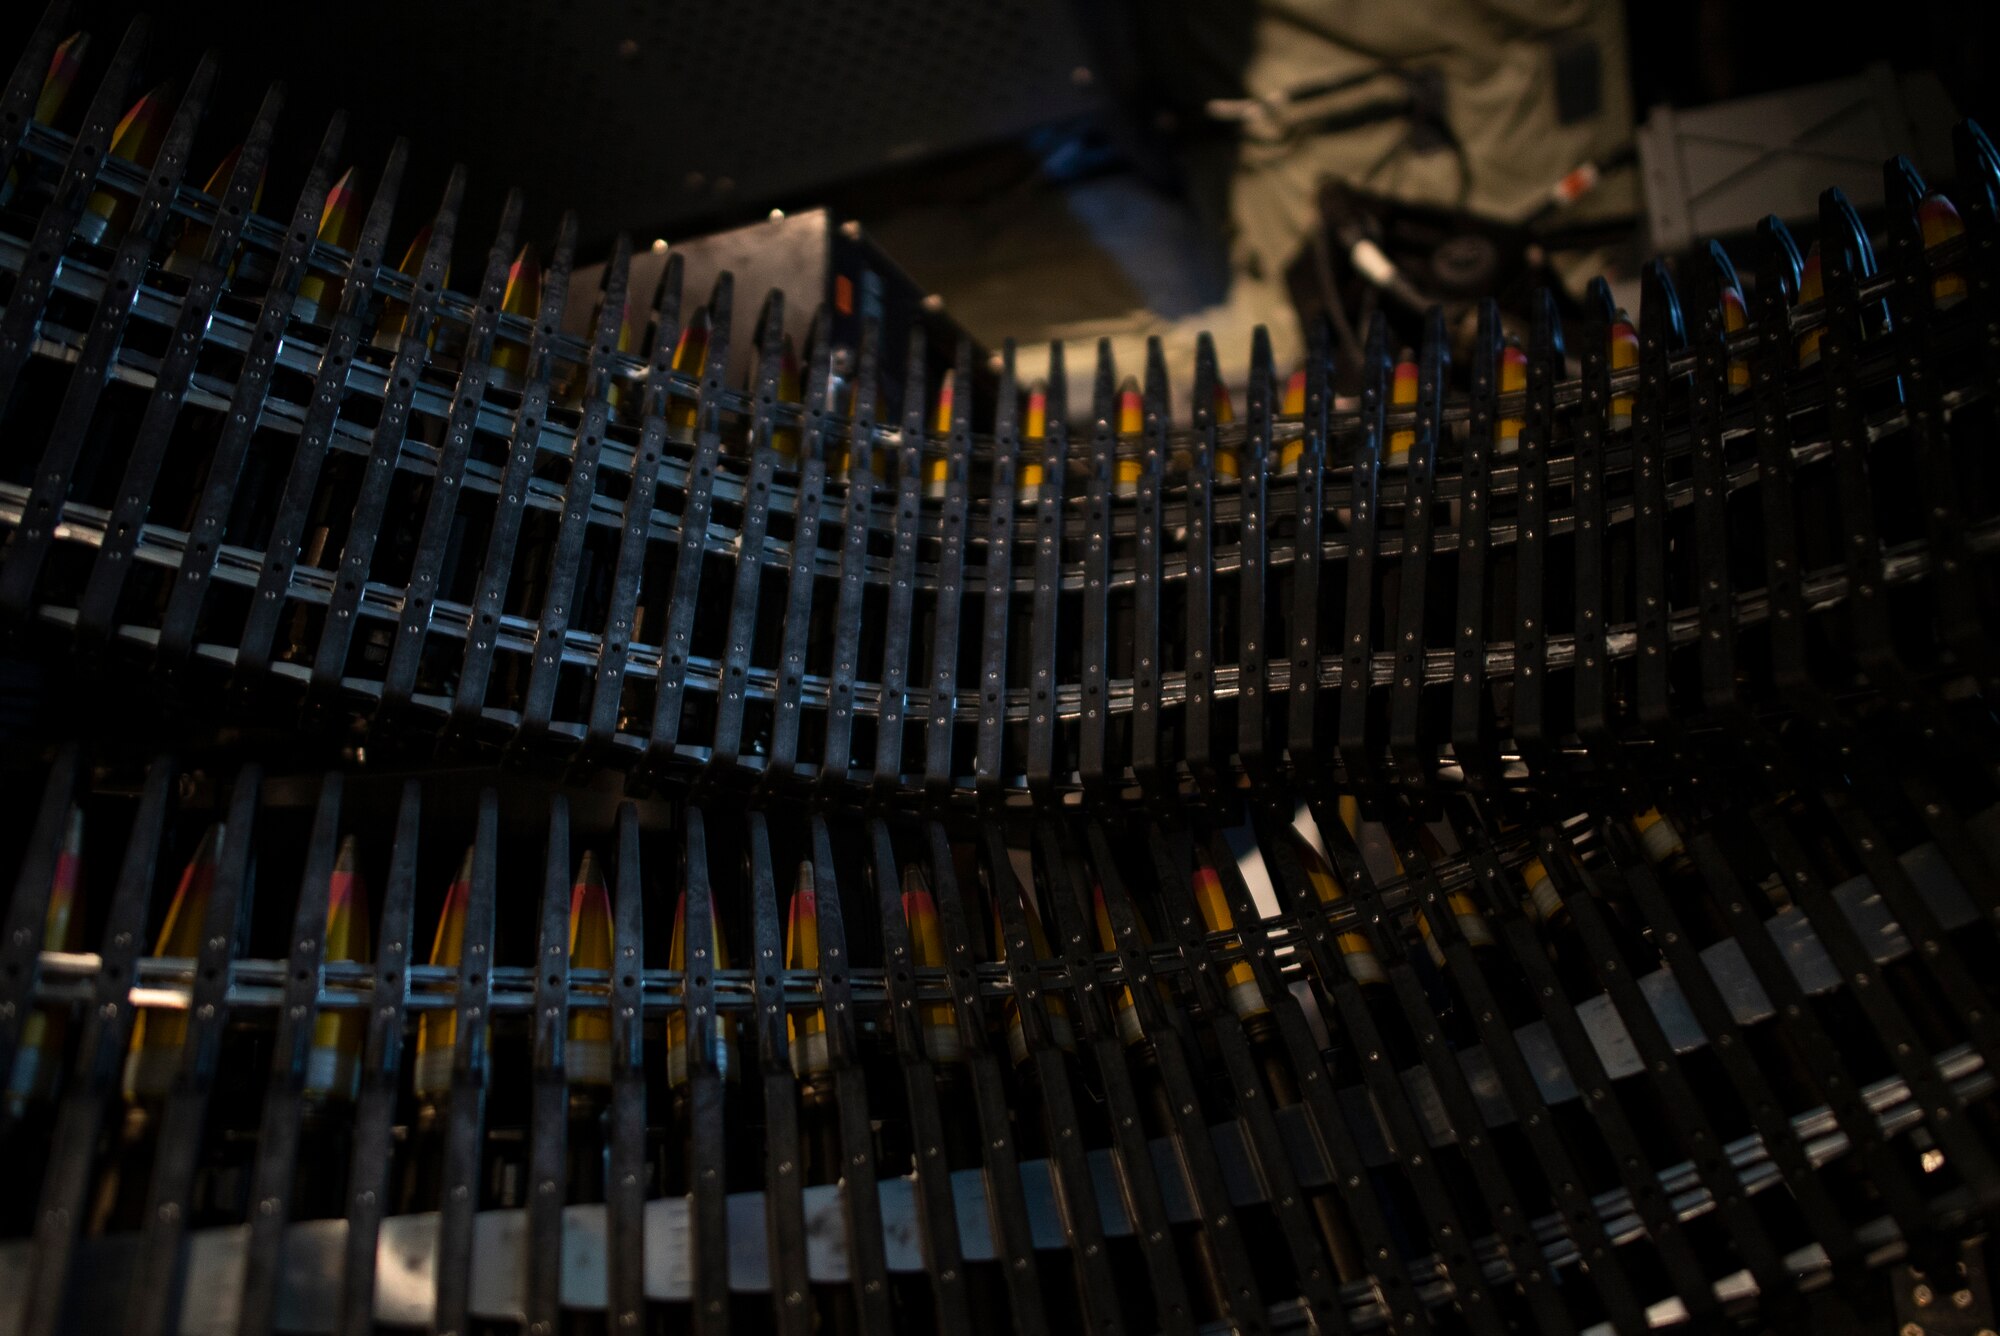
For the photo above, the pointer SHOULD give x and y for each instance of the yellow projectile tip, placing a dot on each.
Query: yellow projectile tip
(1403, 390)
(1038, 946)
(939, 1019)
(1355, 948)
(38, 1056)
(340, 216)
(677, 959)
(1624, 344)
(588, 1060)
(590, 928)
(1036, 425)
(785, 440)
(1131, 409)
(524, 284)
(218, 180)
(157, 1036)
(413, 257)
(523, 296)
(140, 130)
(333, 1066)
(63, 69)
(1811, 289)
(1125, 1011)
(946, 398)
(1295, 394)
(1245, 998)
(1939, 220)
(61, 924)
(437, 1031)
(690, 357)
(137, 140)
(347, 907)
(1403, 394)
(808, 1028)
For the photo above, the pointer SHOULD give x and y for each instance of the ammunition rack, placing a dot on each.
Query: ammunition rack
(1512, 854)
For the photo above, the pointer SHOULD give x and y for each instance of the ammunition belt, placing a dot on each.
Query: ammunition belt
(1345, 1127)
(607, 562)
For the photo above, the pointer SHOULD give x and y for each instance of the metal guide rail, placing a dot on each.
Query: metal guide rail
(317, 1051)
(257, 453)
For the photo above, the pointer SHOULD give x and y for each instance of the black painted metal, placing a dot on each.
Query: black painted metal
(364, 527)
(955, 535)
(691, 553)
(1309, 526)
(708, 1248)
(1337, 983)
(180, 623)
(756, 522)
(1240, 1298)
(98, 607)
(449, 475)
(55, 473)
(625, 1194)
(944, 1259)
(35, 278)
(1253, 649)
(1044, 643)
(17, 100)
(278, 1139)
(561, 593)
(1137, 1174)
(470, 1064)
(1502, 905)
(99, 1055)
(152, 1302)
(1094, 727)
(898, 632)
(272, 595)
(496, 573)
(381, 1076)
(548, 1110)
(857, 522)
(784, 1175)
(1014, 1242)
(1150, 765)
(801, 575)
(1408, 744)
(1061, 1127)
(1531, 542)
(27, 910)
(1469, 710)
(990, 772)
(1317, 1277)
(862, 1196)
(1691, 1123)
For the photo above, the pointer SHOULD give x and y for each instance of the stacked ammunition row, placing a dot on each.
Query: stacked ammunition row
(263, 453)
(311, 1052)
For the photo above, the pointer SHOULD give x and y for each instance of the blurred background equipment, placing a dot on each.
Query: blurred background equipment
(1720, 169)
